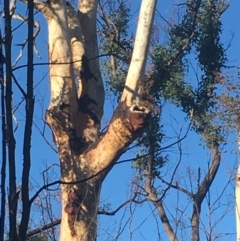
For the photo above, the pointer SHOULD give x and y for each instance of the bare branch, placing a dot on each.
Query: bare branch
(202, 191)
(176, 186)
(45, 139)
(131, 200)
(152, 196)
(209, 177)
(36, 25)
(44, 227)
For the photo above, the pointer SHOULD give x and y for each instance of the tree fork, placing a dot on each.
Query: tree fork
(80, 205)
(72, 122)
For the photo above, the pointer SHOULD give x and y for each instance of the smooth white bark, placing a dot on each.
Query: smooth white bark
(237, 196)
(61, 78)
(135, 77)
(76, 38)
(76, 44)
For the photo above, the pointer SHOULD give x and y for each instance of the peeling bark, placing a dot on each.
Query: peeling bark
(74, 115)
(80, 201)
(126, 125)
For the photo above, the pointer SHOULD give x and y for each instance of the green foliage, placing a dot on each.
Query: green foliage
(151, 143)
(211, 54)
(199, 31)
(141, 165)
(196, 35)
(169, 79)
(116, 43)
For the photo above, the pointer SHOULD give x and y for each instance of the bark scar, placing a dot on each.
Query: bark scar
(139, 117)
(71, 208)
(138, 120)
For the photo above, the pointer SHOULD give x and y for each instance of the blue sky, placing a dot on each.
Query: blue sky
(195, 156)
(117, 186)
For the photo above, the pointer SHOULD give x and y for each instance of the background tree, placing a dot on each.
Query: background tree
(76, 110)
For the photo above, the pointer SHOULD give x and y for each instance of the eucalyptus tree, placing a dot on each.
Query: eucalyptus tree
(76, 110)
(77, 100)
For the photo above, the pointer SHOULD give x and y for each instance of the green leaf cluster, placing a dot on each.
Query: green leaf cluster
(151, 143)
(197, 35)
(117, 44)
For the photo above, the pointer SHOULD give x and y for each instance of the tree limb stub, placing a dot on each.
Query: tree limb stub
(126, 125)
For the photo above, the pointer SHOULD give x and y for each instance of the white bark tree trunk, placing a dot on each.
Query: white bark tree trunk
(75, 113)
(237, 195)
